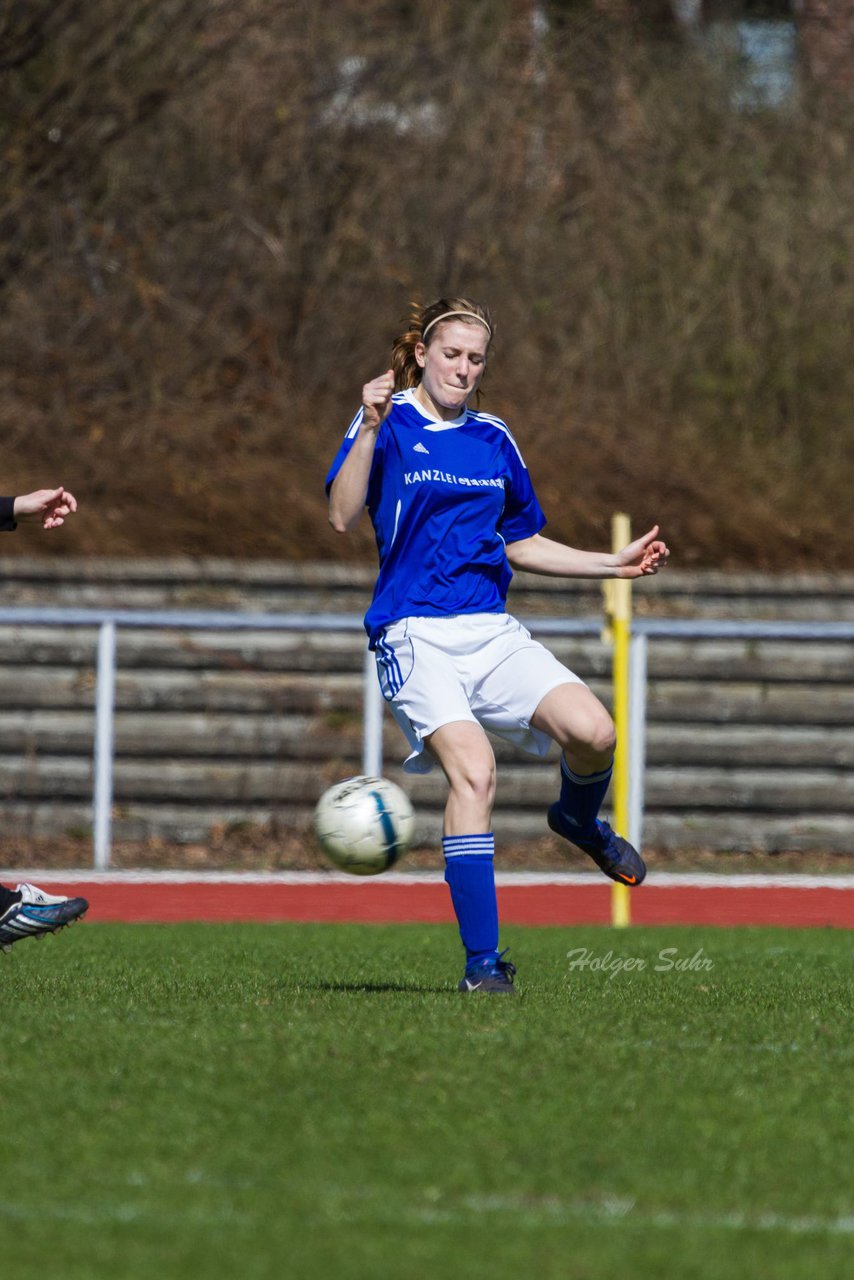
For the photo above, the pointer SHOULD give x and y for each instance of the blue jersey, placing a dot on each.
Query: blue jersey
(444, 498)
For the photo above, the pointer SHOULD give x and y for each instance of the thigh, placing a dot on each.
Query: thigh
(573, 716)
(464, 752)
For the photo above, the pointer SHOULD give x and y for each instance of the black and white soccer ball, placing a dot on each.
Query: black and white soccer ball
(364, 825)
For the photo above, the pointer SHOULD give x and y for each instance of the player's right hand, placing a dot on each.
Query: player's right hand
(376, 399)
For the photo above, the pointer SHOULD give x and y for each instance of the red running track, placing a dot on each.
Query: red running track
(527, 899)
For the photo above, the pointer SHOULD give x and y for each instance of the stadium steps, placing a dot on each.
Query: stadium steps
(521, 787)
(277, 586)
(750, 743)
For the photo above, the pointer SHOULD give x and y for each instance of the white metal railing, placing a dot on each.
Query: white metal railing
(646, 629)
(109, 621)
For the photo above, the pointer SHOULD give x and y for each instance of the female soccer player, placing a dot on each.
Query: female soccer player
(453, 509)
(27, 912)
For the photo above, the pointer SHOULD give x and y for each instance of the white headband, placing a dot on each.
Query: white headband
(447, 315)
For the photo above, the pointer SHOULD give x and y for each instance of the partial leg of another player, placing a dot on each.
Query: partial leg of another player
(463, 750)
(574, 717)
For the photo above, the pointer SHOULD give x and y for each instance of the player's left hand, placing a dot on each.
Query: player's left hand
(644, 556)
(50, 506)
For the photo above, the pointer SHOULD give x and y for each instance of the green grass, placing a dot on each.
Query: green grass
(317, 1101)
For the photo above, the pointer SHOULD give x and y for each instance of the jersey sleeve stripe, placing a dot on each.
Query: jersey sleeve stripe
(353, 429)
(501, 426)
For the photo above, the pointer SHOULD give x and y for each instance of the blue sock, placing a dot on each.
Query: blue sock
(581, 796)
(470, 876)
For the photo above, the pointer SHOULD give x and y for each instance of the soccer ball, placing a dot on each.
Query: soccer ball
(364, 824)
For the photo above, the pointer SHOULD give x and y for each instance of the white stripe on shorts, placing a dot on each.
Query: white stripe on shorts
(391, 667)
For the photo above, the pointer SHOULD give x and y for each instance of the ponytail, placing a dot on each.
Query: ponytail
(407, 371)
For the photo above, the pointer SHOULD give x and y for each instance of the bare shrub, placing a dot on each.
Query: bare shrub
(215, 215)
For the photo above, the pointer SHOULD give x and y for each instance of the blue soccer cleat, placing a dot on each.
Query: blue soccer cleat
(611, 853)
(38, 913)
(493, 977)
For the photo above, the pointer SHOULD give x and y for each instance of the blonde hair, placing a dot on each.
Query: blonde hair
(423, 326)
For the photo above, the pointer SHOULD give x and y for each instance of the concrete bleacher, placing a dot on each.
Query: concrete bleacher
(750, 743)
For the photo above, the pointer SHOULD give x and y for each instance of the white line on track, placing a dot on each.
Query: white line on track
(521, 879)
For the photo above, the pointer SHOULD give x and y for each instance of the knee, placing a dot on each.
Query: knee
(476, 780)
(595, 738)
(603, 738)
(468, 762)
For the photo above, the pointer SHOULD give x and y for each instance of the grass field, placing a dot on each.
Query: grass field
(318, 1101)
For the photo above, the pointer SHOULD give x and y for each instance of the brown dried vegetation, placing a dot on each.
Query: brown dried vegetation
(213, 216)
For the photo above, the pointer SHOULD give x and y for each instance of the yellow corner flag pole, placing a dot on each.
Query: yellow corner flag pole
(618, 606)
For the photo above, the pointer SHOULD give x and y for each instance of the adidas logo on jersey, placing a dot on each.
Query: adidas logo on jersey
(419, 448)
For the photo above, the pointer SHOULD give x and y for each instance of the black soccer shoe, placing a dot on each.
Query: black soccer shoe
(38, 913)
(611, 853)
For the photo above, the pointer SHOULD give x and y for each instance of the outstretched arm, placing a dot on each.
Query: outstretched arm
(50, 506)
(640, 558)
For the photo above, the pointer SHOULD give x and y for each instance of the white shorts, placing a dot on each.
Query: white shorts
(482, 667)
